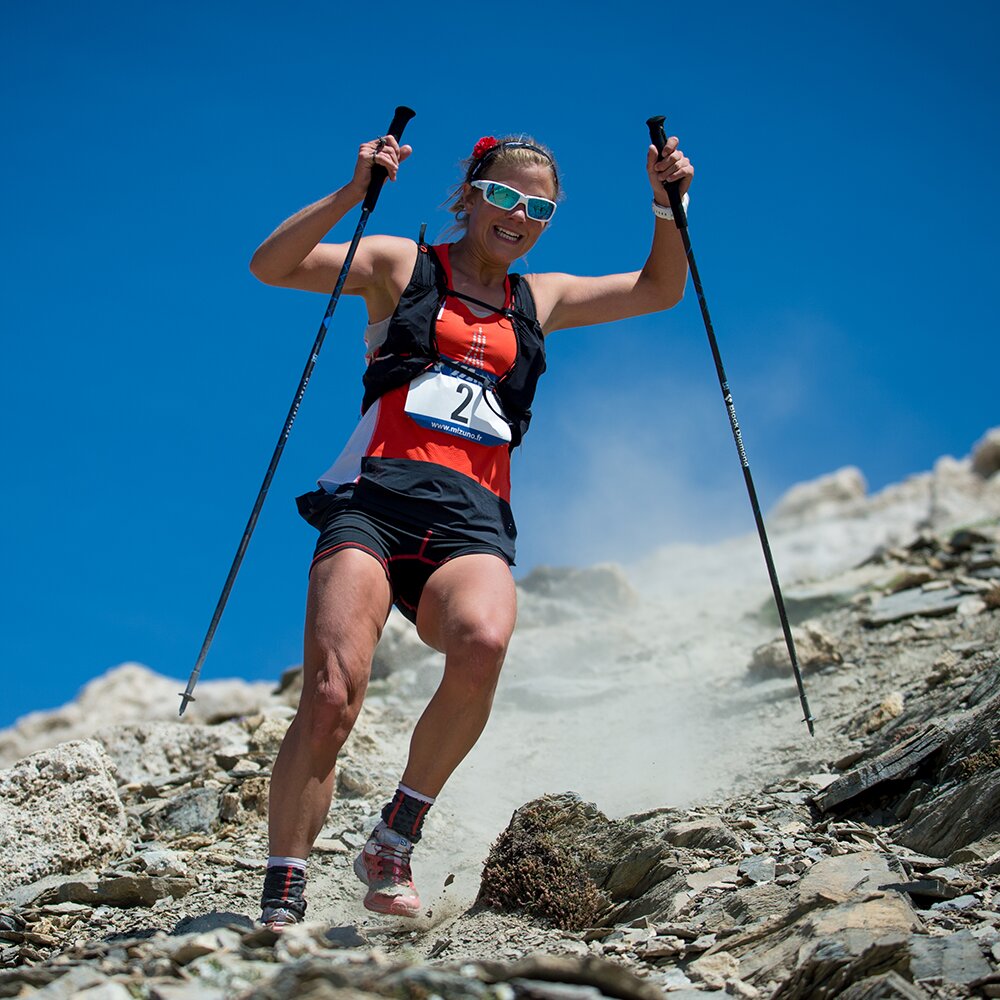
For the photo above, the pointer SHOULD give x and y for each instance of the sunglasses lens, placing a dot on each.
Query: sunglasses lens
(540, 210)
(501, 196)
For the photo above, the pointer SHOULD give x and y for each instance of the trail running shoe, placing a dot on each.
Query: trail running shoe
(384, 866)
(277, 917)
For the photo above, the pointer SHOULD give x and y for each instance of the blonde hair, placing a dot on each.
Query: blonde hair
(513, 150)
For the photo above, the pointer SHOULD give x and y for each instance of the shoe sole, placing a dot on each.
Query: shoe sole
(390, 906)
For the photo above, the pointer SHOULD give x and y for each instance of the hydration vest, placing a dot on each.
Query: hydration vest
(410, 345)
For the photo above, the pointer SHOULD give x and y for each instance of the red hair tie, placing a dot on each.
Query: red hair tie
(482, 147)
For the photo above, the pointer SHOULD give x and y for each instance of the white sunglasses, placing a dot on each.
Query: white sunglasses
(508, 198)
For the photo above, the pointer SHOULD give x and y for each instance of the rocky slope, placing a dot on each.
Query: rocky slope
(708, 844)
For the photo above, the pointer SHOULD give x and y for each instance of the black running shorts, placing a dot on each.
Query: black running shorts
(408, 543)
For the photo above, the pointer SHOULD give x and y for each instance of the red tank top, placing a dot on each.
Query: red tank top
(486, 342)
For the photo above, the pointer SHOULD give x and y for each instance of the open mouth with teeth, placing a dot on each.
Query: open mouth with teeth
(506, 235)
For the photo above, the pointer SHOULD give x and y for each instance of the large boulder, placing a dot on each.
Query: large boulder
(130, 693)
(825, 497)
(147, 751)
(59, 811)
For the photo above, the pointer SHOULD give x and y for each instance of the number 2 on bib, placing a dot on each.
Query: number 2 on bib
(445, 401)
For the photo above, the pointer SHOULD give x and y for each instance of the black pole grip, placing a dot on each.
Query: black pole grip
(673, 188)
(399, 119)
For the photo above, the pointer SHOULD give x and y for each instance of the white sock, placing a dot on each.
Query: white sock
(419, 796)
(276, 861)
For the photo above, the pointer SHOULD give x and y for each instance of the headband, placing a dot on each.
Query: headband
(488, 147)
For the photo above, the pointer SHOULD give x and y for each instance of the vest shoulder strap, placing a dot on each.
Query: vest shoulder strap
(522, 299)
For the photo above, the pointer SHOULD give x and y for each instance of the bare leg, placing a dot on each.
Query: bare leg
(467, 611)
(349, 601)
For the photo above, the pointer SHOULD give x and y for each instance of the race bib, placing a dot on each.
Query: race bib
(444, 399)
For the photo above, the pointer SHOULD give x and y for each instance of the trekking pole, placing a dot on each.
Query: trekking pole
(659, 140)
(379, 174)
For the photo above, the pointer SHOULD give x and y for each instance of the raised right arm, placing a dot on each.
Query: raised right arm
(293, 256)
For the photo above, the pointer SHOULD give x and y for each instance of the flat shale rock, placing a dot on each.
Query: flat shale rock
(956, 958)
(708, 833)
(809, 600)
(955, 817)
(908, 603)
(59, 811)
(889, 986)
(126, 890)
(828, 966)
(842, 942)
(849, 875)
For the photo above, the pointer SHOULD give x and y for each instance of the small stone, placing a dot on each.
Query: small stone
(814, 649)
(186, 949)
(787, 879)
(661, 948)
(713, 970)
(948, 874)
(326, 845)
(245, 768)
(706, 833)
(267, 737)
(353, 782)
(672, 979)
(757, 869)
(160, 861)
(193, 811)
(970, 607)
(958, 903)
(229, 807)
(891, 707)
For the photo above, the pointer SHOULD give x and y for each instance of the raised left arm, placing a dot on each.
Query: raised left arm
(566, 300)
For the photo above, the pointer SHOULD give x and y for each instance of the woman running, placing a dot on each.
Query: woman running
(416, 509)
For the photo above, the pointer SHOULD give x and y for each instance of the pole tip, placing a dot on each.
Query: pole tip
(185, 698)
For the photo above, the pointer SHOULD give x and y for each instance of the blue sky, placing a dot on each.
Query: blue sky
(844, 218)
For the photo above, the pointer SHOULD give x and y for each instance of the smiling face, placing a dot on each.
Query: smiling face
(507, 233)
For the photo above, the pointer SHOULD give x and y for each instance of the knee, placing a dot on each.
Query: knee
(331, 703)
(481, 640)
(479, 648)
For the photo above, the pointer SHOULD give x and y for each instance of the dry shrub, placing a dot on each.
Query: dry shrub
(987, 759)
(531, 870)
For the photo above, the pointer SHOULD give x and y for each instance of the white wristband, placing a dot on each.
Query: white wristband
(666, 212)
